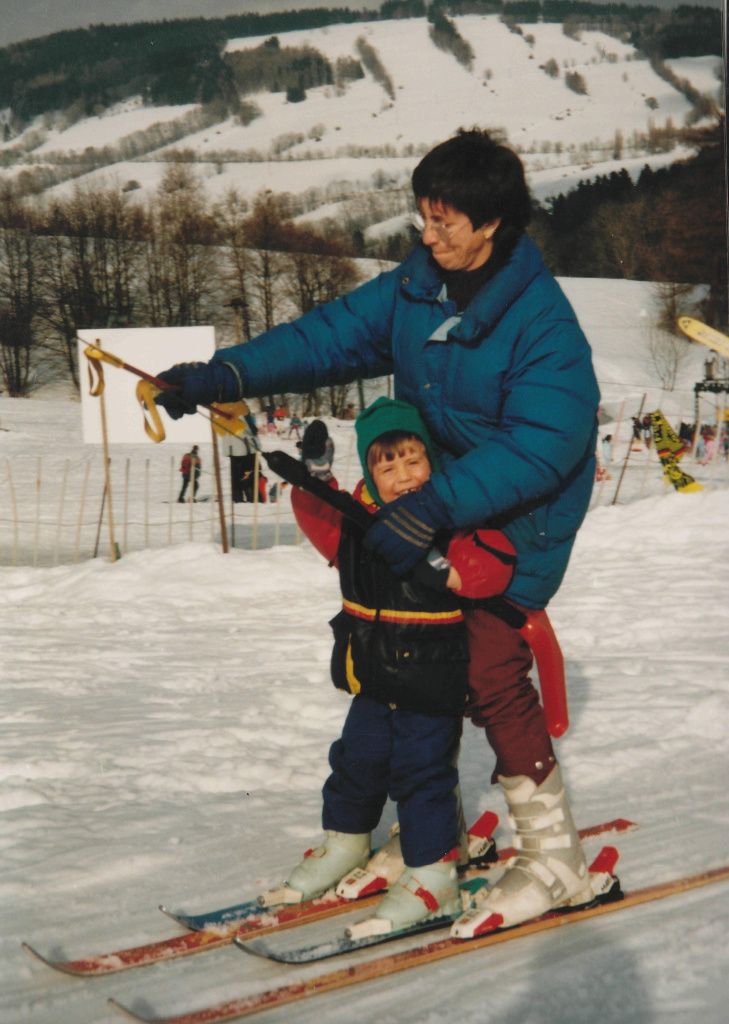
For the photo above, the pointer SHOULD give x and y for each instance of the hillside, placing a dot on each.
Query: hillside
(307, 147)
(365, 133)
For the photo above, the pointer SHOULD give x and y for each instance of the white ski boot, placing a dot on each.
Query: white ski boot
(382, 869)
(322, 868)
(387, 864)
(548, 872)
(419, 895)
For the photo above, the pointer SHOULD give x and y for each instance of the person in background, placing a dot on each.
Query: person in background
(317, 450)
(276, 491)
(241, 450)
(191, 468)
(295, 425)
(479, 336)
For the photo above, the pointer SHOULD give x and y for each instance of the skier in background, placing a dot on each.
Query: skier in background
(481, 339)
(190, 467)
(295, 425)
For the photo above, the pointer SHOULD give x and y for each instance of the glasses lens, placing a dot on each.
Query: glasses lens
(417, 222)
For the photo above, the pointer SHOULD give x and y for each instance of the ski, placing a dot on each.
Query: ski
(218, 928)
(252, 920)
(379, 967)
(709, 336)
(605, 887)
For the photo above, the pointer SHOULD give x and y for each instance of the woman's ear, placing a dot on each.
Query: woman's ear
(489, 229)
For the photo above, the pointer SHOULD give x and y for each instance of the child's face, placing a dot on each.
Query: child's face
(403, 469)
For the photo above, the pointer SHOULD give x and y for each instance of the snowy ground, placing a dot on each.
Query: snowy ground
(166, 721)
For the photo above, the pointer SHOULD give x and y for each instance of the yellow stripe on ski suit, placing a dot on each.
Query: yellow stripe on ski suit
(393, 615)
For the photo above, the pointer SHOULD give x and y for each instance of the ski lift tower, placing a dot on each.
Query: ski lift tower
(716, 381)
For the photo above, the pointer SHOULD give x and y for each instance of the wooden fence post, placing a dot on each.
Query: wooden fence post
(14, 506)
(79, 521)
(59, 521)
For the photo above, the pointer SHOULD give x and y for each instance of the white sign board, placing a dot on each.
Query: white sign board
(151, 349)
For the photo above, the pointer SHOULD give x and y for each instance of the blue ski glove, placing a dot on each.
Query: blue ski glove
(197, 384)
(403, 531)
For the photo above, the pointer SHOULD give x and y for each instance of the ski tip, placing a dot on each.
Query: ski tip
(34, 953)
(257, 947)
(131, 1014)
(625, 825)
(178, 916)
(65, 966)
(606, 860)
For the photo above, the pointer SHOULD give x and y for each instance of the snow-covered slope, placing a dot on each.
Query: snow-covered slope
(166, 721)
(360, 138)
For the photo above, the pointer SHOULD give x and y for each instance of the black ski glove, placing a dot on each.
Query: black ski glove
(197, 384)
(403, 531)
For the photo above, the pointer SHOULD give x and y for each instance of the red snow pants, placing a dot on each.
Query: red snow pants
(503, 700)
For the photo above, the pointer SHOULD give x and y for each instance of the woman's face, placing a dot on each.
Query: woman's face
(451, 238)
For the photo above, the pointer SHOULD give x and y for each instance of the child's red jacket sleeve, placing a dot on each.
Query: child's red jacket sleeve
(484, 559)
(321, 523)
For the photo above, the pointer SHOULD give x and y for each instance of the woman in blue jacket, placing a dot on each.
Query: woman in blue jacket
(480, 337)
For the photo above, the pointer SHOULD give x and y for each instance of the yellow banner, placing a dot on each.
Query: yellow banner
(669, 447)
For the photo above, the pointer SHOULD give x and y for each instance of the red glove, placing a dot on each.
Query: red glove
(484, 559)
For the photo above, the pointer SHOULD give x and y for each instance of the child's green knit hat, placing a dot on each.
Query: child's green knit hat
(382, 417)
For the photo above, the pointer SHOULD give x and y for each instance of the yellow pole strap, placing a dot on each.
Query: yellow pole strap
(153, 426)
(96, 378)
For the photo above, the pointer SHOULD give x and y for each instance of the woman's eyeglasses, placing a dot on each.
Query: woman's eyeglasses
(445, 232)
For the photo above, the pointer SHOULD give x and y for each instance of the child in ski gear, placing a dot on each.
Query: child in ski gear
(190, 466)
(295, 425)
(401, 648)
(479, 336)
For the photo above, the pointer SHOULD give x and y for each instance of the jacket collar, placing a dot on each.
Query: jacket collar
(421, 281)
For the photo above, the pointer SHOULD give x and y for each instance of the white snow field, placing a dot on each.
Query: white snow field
(166, 720)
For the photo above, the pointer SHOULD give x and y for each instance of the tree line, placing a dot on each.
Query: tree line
(102, 258)
(669, 225)
(105, 258)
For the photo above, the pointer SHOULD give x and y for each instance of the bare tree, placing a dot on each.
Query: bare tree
(231, 216)
(667, 345)
(180, 255)
(268, 234)
(18, 293)
(319, 272)
(90, 265)
(667, 350)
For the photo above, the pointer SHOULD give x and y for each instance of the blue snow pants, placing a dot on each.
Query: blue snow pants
(406, 755)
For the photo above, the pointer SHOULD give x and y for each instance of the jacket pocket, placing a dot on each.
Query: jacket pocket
(343, 671)
(432, 670)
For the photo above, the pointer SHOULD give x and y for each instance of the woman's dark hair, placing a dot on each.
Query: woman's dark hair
(481, 178)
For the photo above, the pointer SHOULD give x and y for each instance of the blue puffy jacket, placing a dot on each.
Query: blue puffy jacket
(507, 391)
